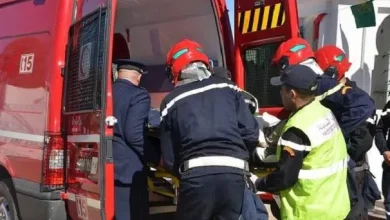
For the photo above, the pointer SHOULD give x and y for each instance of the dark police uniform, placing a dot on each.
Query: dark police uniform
(383, 130)
(354, 110)
(199, 120)
(131, 108)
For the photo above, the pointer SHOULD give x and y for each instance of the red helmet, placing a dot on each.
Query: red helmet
(292, 51)
(333, 61)
(182, 54)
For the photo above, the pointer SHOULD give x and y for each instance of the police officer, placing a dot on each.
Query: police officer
(353, 108)
(131, 108)
(383, 145)
(311, 152)
(207, 133)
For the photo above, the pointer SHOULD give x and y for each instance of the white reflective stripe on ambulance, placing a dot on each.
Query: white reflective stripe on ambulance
(22, 136)
(329, 92)
(89, 138)
(324, 172)
(293, 145)
(94, 203)
(164, 112)
(322, 130)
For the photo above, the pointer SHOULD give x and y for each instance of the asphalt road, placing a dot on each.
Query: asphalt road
(171, 216)
(376, 214)
(168, 216)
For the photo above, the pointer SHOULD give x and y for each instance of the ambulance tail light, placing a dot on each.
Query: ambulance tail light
(53, 163)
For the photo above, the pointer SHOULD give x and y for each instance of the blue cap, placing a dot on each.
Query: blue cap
(297, 76)
(131, 65)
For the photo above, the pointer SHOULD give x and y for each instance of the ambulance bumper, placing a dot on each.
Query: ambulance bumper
(34, 204)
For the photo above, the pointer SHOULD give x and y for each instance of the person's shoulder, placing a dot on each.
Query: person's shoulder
(139, 95)
(218, 79)
(326, 84)
(293, 133)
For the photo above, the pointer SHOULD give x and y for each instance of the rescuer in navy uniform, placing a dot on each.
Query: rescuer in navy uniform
(131, 108)
(383, 145)
(207, 134)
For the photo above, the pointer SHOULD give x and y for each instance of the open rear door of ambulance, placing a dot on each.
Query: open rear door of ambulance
(87, 107)
(260, 27)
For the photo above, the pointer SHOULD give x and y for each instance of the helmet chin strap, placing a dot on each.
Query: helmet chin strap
(331, 72)
(169, 73)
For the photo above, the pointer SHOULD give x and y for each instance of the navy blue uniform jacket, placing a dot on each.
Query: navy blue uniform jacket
(131, 108)
(206, 118)
(351, 105)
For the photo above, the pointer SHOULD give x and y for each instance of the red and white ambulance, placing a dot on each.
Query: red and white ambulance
(56, 80)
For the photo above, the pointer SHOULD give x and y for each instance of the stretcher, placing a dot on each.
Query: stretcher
(165, 184)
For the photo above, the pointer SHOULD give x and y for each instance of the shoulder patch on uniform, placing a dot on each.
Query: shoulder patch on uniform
(345, 89)
(289, 151)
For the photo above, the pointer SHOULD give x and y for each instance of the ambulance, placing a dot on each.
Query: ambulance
(56, 113)
(56, 75)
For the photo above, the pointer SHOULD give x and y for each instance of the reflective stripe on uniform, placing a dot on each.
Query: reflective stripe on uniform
(225, 161)
(293, 145)
(324, 172)
(322, 130)
(250, 102)
(371, 121)
(384, 113)
(170, 104)
(329, 92)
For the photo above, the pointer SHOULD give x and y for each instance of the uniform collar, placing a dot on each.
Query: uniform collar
(300, 108)
(125, 82)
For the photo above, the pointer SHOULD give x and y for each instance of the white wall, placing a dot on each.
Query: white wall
(368, 66)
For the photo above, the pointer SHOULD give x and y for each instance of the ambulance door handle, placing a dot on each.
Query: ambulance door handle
(111, 121)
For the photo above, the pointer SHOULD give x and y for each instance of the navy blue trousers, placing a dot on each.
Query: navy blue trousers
(386, 188)
(204, 195)
(132, 200)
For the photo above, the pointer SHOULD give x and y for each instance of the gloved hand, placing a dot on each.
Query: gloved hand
(262, 141)
(265, 121)
(266, 155)
(253, 178)
(270, 120)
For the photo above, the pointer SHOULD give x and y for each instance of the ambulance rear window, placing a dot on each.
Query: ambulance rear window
(258, 72)
(83, 77)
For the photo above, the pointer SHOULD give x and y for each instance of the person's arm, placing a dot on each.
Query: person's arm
(360, 142)
(380, 136)
(249, 128)
(166, 142)
(136, 118)
(290, 162)
(385, 118)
